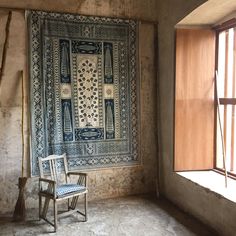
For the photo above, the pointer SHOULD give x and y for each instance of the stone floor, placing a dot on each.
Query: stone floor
(129, 216)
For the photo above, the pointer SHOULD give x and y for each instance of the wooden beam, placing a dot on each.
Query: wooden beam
(5, 46)
(227, 101)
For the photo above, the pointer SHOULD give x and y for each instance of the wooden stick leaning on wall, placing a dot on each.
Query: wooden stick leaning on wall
(5, 46)
(221, 131)
(158, 119)
(22, 124)
(20, 212)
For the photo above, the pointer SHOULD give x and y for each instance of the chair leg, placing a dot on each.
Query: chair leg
(74, 202)
(45, 207)
(40, 205)
(85, 206)
(55, 215)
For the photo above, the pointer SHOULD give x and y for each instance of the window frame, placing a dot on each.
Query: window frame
(222, 101)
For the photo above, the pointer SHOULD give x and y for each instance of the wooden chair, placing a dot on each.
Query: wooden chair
(57, 187)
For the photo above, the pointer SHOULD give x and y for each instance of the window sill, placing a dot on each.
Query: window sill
(212, 181)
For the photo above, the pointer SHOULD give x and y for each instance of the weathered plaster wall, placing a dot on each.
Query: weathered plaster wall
(198, 201)
(123, 8)
(102, 183)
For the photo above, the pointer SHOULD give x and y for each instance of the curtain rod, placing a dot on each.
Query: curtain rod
(143, 21)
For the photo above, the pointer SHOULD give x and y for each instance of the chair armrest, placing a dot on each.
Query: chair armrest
(77, 173)
(51, 187)
(47, 180)
(82, 177)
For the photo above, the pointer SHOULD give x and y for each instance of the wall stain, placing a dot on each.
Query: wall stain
(79, 5)
(98, 3)
(6, 113)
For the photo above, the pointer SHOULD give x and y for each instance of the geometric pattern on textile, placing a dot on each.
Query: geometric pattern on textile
(84, 90)
(69, 188)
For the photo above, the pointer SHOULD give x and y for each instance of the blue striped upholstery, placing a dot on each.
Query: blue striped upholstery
(69, 188)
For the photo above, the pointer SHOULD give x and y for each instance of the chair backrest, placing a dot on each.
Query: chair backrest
(52, 166)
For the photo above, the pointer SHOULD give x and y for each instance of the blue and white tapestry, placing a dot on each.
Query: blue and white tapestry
(84, 89)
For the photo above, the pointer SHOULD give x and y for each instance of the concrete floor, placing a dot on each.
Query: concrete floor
(129, 216)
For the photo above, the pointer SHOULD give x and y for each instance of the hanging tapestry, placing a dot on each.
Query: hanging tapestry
(84, 89)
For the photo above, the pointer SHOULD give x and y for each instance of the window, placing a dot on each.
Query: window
(196, 117)
(226, 89)
(199, 53)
